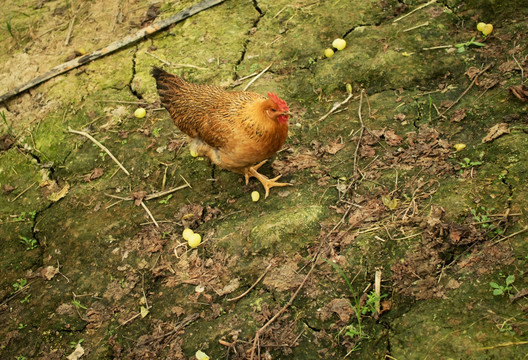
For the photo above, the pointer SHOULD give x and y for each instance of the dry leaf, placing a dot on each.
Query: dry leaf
(8, 188)
(472, 72)
(77, 353)
(389, 202)
(334, 146)
(391, 138)
(138, 197)
(341, 307)
(496, 131)
(49, 272)
(367, 151)
(459, 115)
(520, 91)
(399, 117)
(6, 141)
(229, 288)
(96, 173)
(56, 196)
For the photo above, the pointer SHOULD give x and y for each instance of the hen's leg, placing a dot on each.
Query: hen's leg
(266, 182)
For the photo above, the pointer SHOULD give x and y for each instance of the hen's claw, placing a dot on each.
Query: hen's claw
(266, 182)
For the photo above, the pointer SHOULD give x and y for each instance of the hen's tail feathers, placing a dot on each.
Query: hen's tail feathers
(166, 81)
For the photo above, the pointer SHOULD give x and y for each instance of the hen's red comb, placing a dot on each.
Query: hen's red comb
(280, 103)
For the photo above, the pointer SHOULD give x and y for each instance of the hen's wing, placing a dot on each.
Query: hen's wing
(205, 112)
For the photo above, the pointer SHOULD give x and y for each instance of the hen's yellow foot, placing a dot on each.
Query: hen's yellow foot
(266, 182)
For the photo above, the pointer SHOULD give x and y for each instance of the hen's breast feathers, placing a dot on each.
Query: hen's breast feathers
(234, 123)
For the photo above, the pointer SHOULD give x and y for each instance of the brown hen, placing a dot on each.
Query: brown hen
(236, 130)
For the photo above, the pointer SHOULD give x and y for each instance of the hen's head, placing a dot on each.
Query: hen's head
(277, 109)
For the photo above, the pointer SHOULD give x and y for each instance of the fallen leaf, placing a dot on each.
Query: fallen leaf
(144, 311)
(399, 117)
(472, 72)
(367, 151)
(455, 236)
(6, 141)
(77, 353)
(453, 284)
(496, 131)
(229, 288)
(292, 163)
(508, 66)
(341, 307)
(49, 272)
(391, 138)
(385, 306)
(334, 146)
(520, 91)
(56, 196)
(390, 202)
(138, 197)
(8, 188)
(96, 173)
(458, 115)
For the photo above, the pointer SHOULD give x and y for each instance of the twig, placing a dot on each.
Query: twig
(24, 191)
(70, 30)
(239, 80)
(101, 146)
(520, 67)
(465, 91)
(186, 182)
(149, 214)
(280, 312)
(189, 319)
(418, 8)
(252, 286)
(256, 77)
(334, 108)
(503, 345)
(151, 196)
(438, 47)
(117, 45)
(377, 290)
(157, 58)
(361, 132)
(123, 102)
(416, 27)
(511, 235)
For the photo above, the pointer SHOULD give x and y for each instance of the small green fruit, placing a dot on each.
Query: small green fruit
(339, 44)
(140, 113)
(459, 147)
(488, 28)
(480, 26)
(328, 52)
(187, 233)
(194, 240)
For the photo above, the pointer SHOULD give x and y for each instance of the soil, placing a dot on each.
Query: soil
(403, 235)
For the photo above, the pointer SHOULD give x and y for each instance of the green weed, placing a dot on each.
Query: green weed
(466, 163)
(355, 330)
(462, 47)
(501, 290)
(482, 218)
(73, 344)
(19, 284)
(78, 305)
(166, 200)
(29, 243)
